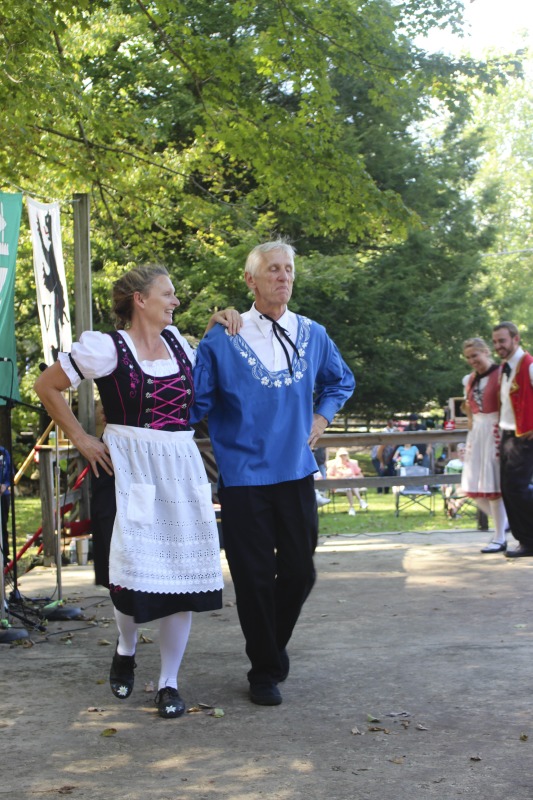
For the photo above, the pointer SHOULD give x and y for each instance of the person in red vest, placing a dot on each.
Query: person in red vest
(516, 423)
(480, 477)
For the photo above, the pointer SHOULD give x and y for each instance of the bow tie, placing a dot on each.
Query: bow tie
(280, 332)
(506, 369)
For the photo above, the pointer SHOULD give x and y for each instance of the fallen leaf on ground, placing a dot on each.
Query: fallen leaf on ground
(475, 758)
(103, 642)
(372, 718)
(420, 727)
(145, 639)
(356, 732)
(524, 737)
(92, 709)
(376, 728)
(217, 712)
(109, 732)
(396, 760)
(149, 686)
(193, 710)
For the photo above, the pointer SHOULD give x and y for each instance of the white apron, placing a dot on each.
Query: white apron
(165, 536)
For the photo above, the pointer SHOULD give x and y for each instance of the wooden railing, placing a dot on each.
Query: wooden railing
(47, 458)
(368, 440)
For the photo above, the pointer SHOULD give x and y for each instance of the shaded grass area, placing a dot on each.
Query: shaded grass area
(380, 517)
(27, 516)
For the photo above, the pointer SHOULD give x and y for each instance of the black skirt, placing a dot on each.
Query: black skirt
(148, 606)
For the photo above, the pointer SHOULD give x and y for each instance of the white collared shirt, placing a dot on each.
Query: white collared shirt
(507, 418)
(257, 332)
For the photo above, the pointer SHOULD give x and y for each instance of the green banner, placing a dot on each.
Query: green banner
(10, 211)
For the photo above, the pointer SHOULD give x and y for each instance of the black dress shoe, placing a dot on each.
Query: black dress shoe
(265, 694)
(520, 552)
(121, 675)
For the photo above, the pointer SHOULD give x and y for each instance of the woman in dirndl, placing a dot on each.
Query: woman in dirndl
(480, 478)
(164, 560)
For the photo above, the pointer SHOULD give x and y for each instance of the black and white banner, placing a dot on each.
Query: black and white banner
(52, 297)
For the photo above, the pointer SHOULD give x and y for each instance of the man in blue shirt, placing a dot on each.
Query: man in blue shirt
(5, 498)
(270, 391)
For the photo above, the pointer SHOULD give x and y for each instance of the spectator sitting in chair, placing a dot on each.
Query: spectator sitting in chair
(425, 450)
(382, 457)
(407, 455)
(346, 467)
(453, 495)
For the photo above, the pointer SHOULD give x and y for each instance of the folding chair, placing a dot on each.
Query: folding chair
(406, 496)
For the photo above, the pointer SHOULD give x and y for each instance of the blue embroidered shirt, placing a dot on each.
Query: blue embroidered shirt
(259, 421)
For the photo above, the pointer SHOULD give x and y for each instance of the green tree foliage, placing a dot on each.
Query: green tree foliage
(200, 128)
(504, 189)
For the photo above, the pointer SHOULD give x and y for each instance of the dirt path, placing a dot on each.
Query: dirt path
(405, 683)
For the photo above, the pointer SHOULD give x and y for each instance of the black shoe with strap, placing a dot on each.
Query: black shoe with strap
(121, 677)
(169, 703)
(494, 547)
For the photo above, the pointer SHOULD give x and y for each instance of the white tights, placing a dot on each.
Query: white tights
(173, 637)
(496, 510)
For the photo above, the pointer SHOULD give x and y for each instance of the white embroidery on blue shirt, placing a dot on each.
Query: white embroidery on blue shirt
(282, 378)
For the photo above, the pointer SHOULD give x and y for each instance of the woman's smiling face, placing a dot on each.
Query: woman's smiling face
(160, 302)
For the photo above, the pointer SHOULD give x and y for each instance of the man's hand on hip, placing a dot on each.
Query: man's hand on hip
(320, 424)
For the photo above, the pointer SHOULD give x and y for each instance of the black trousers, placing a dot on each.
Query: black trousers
(270, 536)
(516, 464)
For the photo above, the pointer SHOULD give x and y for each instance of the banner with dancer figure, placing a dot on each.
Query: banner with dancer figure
(52, 297)
(10, 212)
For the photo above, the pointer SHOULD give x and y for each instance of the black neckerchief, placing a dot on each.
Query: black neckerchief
(278, 332)
(481, 375)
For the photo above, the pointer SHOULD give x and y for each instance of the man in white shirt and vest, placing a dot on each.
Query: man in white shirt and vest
(269, 393)
(516, 423)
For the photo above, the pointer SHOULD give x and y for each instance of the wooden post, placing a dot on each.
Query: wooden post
(48, 504)
(84, 316)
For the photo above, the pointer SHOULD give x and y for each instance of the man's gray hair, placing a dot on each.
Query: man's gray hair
(253, 262)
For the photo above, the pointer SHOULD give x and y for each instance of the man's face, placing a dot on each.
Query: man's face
(504, 343)
(273, 281)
